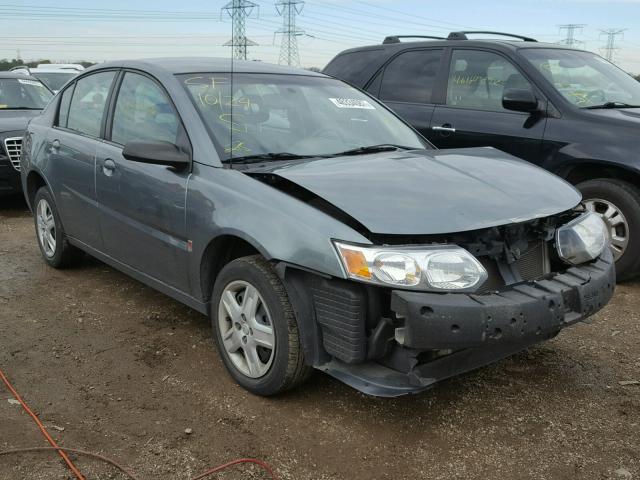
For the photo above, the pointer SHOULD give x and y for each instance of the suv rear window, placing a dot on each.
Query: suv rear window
(355, 67)
(410, 76)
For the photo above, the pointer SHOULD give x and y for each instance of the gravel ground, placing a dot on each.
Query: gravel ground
(114, 367)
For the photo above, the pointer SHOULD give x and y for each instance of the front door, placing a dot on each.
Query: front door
(473, 116)
(142, 206)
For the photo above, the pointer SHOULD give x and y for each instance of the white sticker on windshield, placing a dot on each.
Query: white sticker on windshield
(352, 103)
(30, 82)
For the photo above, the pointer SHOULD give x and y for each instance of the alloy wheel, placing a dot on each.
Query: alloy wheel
(46, 228)
(246, 329)
(616, 222)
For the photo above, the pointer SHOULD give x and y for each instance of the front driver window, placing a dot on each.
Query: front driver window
(479, 79)
(143, 112)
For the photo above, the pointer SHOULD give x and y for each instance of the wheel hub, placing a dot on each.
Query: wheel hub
(616, 222)
(46, 227)
(246, 329)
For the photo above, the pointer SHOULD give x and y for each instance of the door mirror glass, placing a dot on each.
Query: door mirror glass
(157, 153)
(520, 100)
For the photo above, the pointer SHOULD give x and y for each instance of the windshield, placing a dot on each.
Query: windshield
(583, 78)
(292, 114)
(22, 93)
(54, 80)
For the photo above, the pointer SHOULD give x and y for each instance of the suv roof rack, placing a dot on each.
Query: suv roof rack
(463, 35)
(396, 38)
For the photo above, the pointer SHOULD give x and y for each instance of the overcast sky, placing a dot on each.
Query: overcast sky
(97, 31)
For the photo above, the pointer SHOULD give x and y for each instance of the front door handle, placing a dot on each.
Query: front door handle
(108, 167)
(447, 128)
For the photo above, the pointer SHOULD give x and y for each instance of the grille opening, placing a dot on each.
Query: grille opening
(13, 147)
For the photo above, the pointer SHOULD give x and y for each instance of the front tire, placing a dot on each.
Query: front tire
(255, 328)
(618, 203)
(54, 246)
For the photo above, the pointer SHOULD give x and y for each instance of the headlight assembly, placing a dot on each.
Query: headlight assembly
(435, 268)
(582, 240)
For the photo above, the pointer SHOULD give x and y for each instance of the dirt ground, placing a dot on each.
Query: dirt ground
(114, 367)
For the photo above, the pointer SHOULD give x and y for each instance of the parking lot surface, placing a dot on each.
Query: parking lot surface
(113, 367)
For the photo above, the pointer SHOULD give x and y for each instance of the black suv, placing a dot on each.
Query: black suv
(566, 110)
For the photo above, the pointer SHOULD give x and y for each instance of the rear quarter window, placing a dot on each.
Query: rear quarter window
(356, 67)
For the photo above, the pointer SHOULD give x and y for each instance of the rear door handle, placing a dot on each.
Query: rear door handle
(108, 167)
(55, 146)
(447, 127)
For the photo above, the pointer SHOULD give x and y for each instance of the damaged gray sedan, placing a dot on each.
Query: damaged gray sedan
(314, 227)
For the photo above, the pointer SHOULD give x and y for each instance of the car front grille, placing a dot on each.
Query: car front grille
(13, 147)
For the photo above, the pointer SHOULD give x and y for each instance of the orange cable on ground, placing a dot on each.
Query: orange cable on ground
(61, 450)
(53, 443)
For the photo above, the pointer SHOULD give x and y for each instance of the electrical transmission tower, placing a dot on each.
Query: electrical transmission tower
(289, 10)
(239, 11)
(571, 29)
(610, 48)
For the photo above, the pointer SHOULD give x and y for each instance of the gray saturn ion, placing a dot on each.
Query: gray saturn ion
(315, 228)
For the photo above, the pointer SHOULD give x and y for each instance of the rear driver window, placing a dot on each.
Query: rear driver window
(88, 103)
(411, 76)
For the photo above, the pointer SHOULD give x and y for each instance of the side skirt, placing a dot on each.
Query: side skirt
(162, 287)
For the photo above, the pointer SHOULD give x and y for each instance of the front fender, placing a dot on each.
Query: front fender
(281, 227)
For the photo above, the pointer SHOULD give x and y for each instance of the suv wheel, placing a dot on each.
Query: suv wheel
(255, 328)
(52, 241)
(618, 203)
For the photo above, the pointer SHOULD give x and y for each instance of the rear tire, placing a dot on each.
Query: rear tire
(259, 345)
(54, 246)
(618, 203)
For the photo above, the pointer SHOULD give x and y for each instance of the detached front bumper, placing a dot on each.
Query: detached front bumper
(480, 329)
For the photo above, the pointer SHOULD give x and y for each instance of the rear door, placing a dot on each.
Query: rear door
(72, 147)
(408, 83)
(142, 206)
(472, 114)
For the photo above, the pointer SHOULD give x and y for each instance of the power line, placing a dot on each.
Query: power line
(610, 48)
(239, 10)
(571, 29)
(289, 10)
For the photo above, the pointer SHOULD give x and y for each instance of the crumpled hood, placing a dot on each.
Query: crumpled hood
(12, 120)
(432, 191)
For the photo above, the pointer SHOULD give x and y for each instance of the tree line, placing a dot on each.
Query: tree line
(6, 64)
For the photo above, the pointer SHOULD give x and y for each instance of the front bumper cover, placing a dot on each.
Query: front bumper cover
(481, 329)
(523, 312)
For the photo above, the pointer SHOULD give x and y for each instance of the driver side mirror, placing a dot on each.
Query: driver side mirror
(157, 153)
(520, 100)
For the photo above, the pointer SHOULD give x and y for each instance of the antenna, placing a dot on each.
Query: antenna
(610, 49)
(571, 29)
(239, 11)
(288, 10)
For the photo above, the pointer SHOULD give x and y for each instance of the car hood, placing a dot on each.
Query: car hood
(431, 191)
(11, 120)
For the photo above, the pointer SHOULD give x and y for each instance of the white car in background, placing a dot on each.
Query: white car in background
(53, 75)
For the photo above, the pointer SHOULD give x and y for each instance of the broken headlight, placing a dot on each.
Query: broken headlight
(582, 240)
(439, 268)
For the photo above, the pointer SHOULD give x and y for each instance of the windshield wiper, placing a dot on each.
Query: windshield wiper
(383, 147)
(261, 157)
(611, 105)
